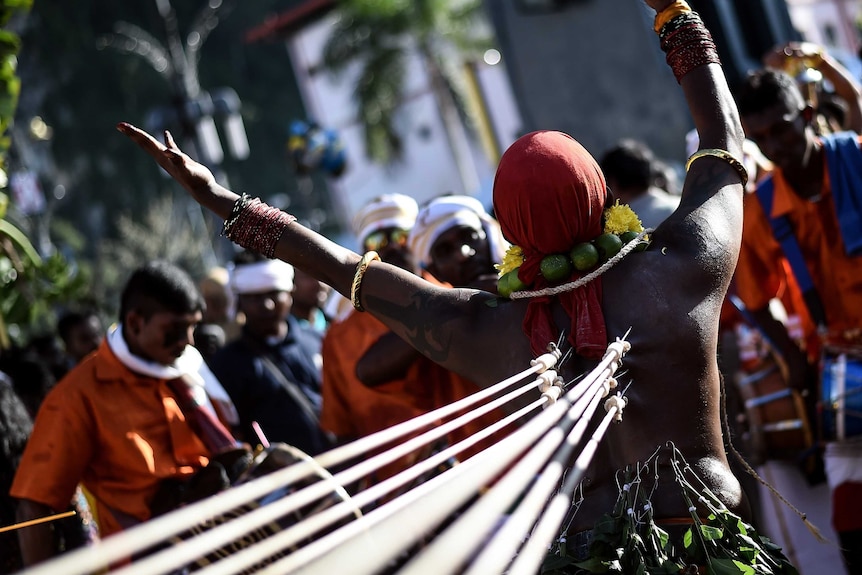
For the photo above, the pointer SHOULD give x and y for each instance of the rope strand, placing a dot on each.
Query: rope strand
(751, 471)
(582, 281)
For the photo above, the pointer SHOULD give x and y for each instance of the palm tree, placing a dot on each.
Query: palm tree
(380, 35)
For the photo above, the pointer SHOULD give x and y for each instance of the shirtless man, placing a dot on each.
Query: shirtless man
(668, 296)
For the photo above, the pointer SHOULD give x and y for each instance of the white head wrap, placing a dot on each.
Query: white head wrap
(263, 276)
(444, 213)
(386, 211)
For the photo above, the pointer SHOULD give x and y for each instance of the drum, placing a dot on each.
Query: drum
(778, 424)
(840, 406)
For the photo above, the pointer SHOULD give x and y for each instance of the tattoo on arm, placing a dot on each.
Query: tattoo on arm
(425, 320)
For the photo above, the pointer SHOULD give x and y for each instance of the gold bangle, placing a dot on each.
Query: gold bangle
(721, 155)
(361, 267)
(669, 13)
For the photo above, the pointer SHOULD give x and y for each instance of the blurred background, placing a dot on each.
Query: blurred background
(315, 106)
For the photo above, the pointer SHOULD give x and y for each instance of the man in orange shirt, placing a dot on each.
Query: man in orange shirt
(392, 389)
(115, 423)
(373, 379)
(816, 191)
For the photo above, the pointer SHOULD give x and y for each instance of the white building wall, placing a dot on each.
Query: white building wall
(830, 23)
(427, 167)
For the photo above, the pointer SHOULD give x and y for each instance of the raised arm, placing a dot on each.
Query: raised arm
(705, 88)
(387, 291)
(387, 359)
(297, 245)
(708, 222)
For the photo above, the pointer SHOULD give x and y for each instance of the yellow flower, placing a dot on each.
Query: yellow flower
(512, 260)
(620, 218)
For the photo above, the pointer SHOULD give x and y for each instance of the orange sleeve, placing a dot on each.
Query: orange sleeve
(759, 273)
(334, 412)
(58, 451)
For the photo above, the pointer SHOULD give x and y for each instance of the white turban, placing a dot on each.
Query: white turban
(260, 277)
(444, 213)
(386, 211)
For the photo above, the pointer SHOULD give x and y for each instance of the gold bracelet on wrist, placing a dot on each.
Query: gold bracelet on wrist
(361, 267)
(721, 155)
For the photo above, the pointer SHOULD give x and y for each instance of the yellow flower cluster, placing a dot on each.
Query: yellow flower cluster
(620, 218)
(622, 226)
(511, 261)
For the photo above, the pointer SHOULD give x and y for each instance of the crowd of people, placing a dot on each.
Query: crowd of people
(303, 342)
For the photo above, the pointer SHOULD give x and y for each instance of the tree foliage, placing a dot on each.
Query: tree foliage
(104, 224)
(29, 284)
(378, 37)
(164, 232)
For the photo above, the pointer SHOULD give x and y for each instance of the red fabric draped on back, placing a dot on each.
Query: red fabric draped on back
(549, 194)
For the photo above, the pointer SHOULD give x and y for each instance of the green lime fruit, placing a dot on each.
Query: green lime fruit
(503, 288)
(608, 245)
(584, 256)
(627, 237)
(515, 282)
(555, 267)
(509, 282)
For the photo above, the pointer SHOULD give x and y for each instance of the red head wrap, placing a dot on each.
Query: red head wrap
(549, 194)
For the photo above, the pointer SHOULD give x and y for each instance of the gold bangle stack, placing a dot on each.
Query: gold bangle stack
(721, 155)
(361, 268)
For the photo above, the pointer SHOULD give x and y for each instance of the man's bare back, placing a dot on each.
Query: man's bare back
(668, 303)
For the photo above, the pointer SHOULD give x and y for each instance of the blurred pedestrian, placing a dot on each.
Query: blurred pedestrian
(272, 372)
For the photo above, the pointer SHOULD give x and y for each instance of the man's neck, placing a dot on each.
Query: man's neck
(133, 348)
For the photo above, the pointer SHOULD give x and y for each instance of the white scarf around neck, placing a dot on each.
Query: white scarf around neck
(190, 363)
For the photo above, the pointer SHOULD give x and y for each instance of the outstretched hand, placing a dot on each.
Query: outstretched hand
(193, 176)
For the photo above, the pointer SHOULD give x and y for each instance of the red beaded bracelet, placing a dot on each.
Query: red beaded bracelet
(256, 226)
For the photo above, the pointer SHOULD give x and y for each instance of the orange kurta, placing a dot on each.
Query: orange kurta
(454, 388)
(762, 270)
(351, 409)
(115, 432)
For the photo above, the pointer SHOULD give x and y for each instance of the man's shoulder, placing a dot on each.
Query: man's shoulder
(231, 355)
(89, 378)
(355, 323)
(74, 397)
(84, 378)
(842, 147)
(236, 346)
(348, 339)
